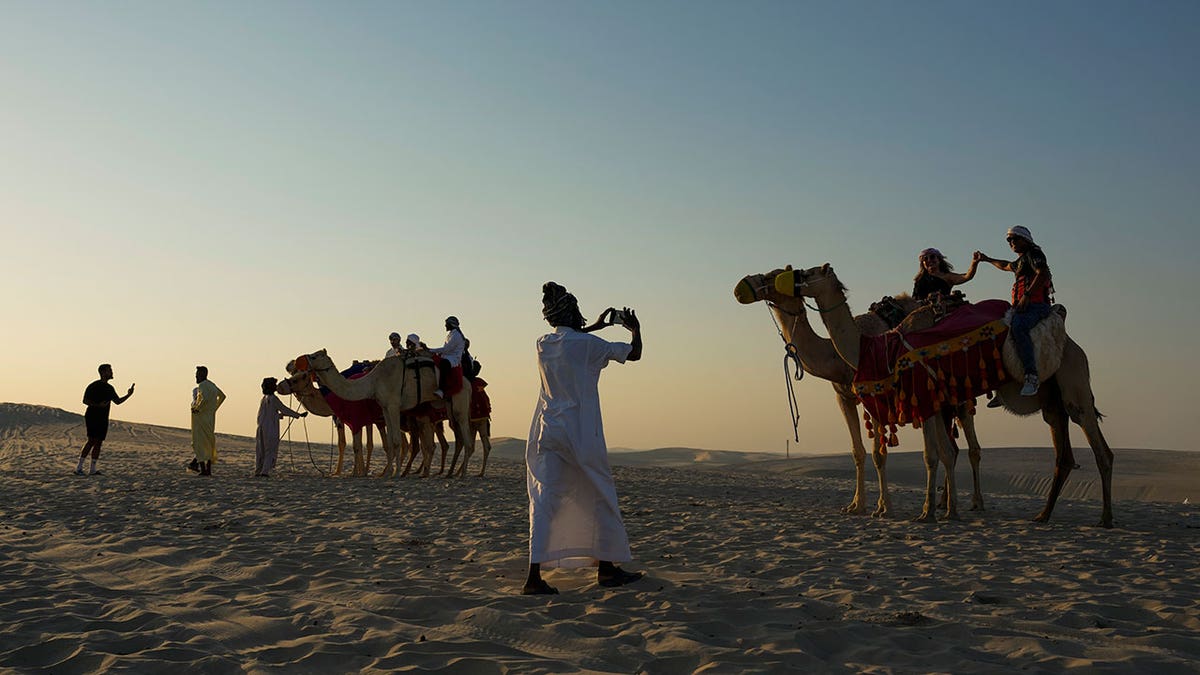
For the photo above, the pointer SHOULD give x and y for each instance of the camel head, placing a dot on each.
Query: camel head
(809, 283)
(761, 288)
(296, 382)
(311, 363)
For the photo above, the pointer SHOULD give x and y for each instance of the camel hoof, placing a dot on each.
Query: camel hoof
(977, 507)
(1107, 524)
(951, 516)
(924, 518)
(853, 508)
(1041, 517)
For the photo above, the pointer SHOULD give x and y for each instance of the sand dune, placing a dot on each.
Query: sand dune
(751, 568)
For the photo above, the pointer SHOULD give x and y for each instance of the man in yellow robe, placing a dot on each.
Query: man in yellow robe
(206, 398)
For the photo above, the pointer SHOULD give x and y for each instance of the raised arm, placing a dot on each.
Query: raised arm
(635, 327)
(283, 409)
(998, 264)
(954, 278)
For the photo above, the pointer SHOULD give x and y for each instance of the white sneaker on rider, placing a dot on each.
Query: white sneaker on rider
(438, 393)
(1031, 385)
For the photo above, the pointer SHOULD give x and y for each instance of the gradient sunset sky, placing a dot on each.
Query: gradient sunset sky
(233, 184)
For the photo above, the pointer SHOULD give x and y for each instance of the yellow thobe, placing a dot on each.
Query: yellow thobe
(206, 398)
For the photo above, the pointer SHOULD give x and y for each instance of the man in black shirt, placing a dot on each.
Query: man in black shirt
(98, 397)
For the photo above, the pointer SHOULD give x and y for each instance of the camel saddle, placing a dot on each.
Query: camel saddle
(1049, 340)
(906, 377)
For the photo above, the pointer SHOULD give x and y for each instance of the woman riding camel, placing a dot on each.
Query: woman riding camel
(937, 275)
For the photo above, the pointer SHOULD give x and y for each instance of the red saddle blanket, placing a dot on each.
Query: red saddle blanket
(355, 414)
(454, 381)
(907, 378)
(481, 404)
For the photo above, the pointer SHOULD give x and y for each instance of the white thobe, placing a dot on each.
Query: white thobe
(266, 439)
(453, 350)
(574, 519)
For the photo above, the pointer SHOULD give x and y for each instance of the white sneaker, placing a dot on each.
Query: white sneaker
(438, 393)
(1031, 385)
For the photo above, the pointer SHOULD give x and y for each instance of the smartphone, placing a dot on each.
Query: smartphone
(618, 317)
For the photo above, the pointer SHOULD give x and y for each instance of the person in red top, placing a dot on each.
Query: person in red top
(1031, 296)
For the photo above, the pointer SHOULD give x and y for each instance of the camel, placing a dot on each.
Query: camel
(306, 392)
(818, 357)
(1063, 397)
(397, 384)
(480, 423)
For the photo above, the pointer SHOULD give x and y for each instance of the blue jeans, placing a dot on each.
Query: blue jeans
(1022, 323)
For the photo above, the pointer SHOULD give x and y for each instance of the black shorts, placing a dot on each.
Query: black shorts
(97, 427)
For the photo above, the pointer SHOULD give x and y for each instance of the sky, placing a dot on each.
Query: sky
(234, 184)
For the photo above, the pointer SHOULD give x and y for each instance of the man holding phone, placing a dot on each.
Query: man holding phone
(574, 519)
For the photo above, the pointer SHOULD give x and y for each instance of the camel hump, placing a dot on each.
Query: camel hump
(1049, 339)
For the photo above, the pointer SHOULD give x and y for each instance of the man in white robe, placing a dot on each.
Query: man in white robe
(574, 519)
(266, 439)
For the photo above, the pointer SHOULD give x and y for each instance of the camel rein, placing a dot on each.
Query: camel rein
(790, 353)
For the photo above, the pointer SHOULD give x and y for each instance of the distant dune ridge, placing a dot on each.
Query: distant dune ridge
(750, 566)
(1143, 475)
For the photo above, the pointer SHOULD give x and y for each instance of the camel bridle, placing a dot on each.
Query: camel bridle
(790, 351)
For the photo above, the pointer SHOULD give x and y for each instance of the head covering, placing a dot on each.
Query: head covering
(269, 382)
(1020, 231)
(413, 338)
(558, 306)
(928, 252)
(394, 336)
(452, 321)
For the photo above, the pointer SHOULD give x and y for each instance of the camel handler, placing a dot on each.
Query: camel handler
(266, 438)
(574, 519)
(206, 398)
(1032, 294)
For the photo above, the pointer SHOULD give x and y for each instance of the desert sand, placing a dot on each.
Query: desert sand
(750, 566)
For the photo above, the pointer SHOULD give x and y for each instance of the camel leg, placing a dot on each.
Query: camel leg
(879, 456)
(848, 404)
(370, 449)
(358, 454)
(414, 446)
(946, 417)
(948, 454)
(392, 442)
(1074, 381)
(464, 423)
(930, 452)
(967, 422)
(389, 452)
(1055, 415)
(405, 450)
(484, 428)
(426, 450)
(1104, 461)
(341, 434)
(439, 431)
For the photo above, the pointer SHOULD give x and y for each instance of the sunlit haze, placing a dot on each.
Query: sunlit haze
(235, 184)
